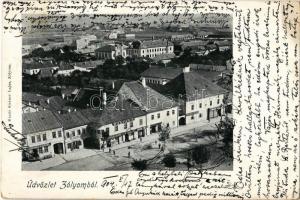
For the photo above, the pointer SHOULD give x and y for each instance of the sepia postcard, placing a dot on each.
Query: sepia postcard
(150, 99)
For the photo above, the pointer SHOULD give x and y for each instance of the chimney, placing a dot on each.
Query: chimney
(113, 85)
(144, 81)
(104, 98)
(186, 69)
(48, 101)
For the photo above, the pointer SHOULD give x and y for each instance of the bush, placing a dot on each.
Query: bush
(139, 164)
(169, 160)
(147, 146)
(200, 154)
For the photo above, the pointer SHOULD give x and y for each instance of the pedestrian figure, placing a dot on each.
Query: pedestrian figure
(162, 148)
(128, 154)
(109, 150)
(159, 145)
(114, 152)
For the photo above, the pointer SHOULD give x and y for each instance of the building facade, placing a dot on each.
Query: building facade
(111, 51)
(44, 134)
(150, 48)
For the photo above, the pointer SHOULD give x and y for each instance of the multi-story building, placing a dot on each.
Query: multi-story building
(199, 98)
(160, 110)
(150, 48)
(120, 121)
(74, 128)
(44, 134)
(182, 37)
(83, 41)
(111, 51)
(36, 67)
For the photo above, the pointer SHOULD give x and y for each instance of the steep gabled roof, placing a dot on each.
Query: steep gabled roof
(147, 98)
(106, 48)
(38, 65)
(116, 111)
(189, 85)
(39, 121)
(162, 72)
(72, 119)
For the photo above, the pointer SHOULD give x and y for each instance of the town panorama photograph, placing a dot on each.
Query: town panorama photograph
(141, 96)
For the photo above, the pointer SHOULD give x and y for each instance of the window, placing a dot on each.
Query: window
(78, 132)
(131, 124)
(173, 112)
(173, 123)
(125, 126)
(59, 133)
(158, 115)
(68, 134)
(192, 107)
(73, 133)
(210, 103)
(107, 130)
(116, 127)
(44, 137)
(40, 150)
(192, 117)
(54, 134)
(83, 130)
(152, 117)
(200, 115)
(218, 101)
(69, 146)
(200, 105)
(33, 139)
(141, 121)
(45, 149)
(168, 113)
(38, 138)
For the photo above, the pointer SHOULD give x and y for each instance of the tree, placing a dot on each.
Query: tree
(164, 134)
(200, 155)
(169, 160)
(139, 164)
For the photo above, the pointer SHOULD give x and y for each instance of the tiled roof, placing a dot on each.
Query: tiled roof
(186, 85)
(39, 121)
(56, 103)
(149, 99)
(166, 56)
(45, 73)
(65, 66)
(38, 65)
(155, 43)
(162, 72)
(106, 48)
(224, 43)
(194, 43)
(72, 119)
(32, 97)
(123, 109)
(89, 64)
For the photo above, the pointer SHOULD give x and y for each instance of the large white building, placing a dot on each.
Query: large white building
(150, 48)
(199, 98)
(111, 51)
(160, 110)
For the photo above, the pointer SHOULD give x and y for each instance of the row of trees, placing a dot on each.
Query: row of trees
(213, 58)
